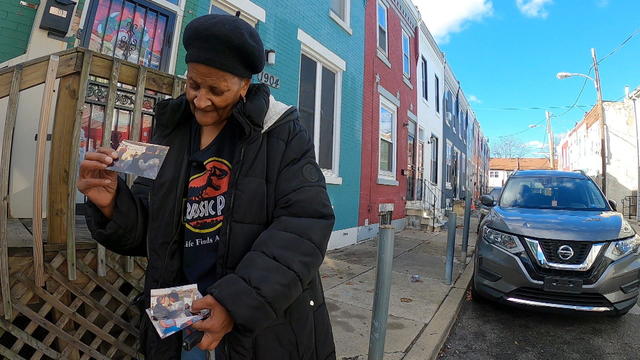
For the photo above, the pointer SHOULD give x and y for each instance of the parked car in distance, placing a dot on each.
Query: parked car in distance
(553, 241)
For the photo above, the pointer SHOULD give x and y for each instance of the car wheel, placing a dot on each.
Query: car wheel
(475, 295)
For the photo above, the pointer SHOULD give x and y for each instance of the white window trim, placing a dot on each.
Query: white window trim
(324, 57)
(386, 177)
(438, 160)
(386, 12)
(404, 34)
(249, 11)
(424, 79)
(384, 58)
(321, 52)
(346, 23)
(407, 82)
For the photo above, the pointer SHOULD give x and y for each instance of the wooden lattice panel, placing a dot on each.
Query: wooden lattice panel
(88, 318)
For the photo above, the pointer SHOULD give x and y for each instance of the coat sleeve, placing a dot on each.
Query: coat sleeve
(125, 232)
(287, 255)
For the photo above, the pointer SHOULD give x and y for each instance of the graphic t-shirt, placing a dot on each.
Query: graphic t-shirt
(209, 179)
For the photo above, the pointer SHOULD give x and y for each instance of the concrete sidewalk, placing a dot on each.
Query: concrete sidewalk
(348, 277)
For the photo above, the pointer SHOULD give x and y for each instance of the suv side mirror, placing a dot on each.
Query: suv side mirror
(614, 204)
(487, 200)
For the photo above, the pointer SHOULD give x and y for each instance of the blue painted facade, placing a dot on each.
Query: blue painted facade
(280, 32)
(454, 164)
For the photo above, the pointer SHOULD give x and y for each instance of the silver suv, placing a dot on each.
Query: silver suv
(553, 241)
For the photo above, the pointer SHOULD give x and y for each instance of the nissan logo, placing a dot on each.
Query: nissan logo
(565, 252)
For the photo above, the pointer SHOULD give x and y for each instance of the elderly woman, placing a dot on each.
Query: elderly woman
(239, 207)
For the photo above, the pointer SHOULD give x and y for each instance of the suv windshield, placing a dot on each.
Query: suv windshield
(562, 193)
(495, 193)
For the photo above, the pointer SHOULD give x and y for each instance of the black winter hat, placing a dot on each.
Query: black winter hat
(224, 42)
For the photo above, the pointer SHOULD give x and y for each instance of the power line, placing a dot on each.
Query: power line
(572, 106)
(621, 45)
(529, 108)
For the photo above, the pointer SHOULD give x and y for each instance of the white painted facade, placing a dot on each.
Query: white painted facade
(430, 114)
(580, 149)
(497, 178)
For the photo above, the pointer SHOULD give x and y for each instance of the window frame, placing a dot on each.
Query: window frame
(332, 175)
(346, 22)
(384, 51)
(393, 109)
(165, 8)
(406, 55)
(448, 163)
(437, 92)
(435, 155)
(425, 83)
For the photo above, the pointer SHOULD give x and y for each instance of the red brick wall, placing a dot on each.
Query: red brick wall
(372, 194)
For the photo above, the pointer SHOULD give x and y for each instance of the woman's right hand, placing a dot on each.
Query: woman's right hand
(96, 182)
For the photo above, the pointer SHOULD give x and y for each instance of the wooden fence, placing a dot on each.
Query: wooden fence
(62, 296)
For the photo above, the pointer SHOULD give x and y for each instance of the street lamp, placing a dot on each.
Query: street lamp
(596, 82)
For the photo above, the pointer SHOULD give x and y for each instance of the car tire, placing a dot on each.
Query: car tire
(475, 295)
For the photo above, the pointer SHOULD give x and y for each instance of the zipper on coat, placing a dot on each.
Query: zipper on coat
(234, 183)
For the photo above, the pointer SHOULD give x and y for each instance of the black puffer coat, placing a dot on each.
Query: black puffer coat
(276, 230)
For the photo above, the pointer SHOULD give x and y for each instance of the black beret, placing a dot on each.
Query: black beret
(224, 42)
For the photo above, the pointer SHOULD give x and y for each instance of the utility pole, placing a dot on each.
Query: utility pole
(552, 155)
(603, 147)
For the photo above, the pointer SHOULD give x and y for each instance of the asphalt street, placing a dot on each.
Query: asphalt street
(492, 331)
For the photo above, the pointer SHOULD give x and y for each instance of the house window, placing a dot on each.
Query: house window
(449, 172)
(455, 171)
(424, 79)
(448, 107)
(434, 160)
(133, 31)
(382, 28)
(463, 174)
(388, 116)
(406, 55)
(341, 9)
(317, 105)
(437, 83)
(411, 160)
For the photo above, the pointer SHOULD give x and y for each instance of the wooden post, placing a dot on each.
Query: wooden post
(106, 142)
(45, 114)
(63, 167)
(5, 161)
(72, 162)
(135, 133)
(178, 87)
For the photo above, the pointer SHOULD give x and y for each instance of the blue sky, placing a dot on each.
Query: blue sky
(506, 53)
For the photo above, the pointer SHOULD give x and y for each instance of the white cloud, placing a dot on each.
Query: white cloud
(474, 99)
(444, 18)
(533, 8)
(535, 144)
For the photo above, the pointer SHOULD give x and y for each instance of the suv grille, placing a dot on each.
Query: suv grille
(550, 249)
(584, 299)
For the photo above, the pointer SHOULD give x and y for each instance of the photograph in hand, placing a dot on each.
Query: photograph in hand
(170, 309)
(140, 159)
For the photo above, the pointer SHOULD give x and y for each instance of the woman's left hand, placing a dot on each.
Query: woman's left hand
(216, 326)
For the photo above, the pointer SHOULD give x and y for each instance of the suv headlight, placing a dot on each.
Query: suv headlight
(504, 241)
(622, 248)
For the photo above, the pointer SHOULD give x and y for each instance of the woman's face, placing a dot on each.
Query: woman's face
(212, 93)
